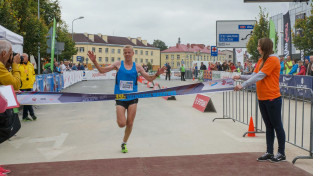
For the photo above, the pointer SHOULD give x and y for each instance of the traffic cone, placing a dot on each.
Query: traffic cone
(193, 78)
(251, 128)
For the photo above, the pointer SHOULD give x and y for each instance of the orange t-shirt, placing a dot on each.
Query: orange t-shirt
(268, 87)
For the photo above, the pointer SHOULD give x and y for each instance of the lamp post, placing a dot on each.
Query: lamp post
(81, 17)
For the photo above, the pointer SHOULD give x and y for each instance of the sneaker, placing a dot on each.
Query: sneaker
(33, 117)
(27, 119)
(278, 158)
(265, 157)
(124, 148)
(4, 171)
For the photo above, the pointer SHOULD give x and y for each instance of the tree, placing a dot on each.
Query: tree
(69, 45)
(159, 44)
(8, 16)
(303, 38)
(260, 30)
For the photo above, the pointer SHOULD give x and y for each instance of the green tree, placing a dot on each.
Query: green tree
(69, 45)
(303, 38)
(260, 30)
(8, 16)
(159, 44)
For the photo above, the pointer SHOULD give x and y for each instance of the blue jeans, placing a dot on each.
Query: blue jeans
(271, 114)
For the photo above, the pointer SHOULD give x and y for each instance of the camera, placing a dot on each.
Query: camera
(21, 57)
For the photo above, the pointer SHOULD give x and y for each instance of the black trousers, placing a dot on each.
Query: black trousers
(27, 108)
(182, 78)
(168, 74)
(271, 114)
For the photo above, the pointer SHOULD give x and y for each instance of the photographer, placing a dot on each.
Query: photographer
(28, 78)
(9, 123)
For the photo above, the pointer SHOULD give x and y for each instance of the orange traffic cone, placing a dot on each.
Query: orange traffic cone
(193, 78)
(251, 128)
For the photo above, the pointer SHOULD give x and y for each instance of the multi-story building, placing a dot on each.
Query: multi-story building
(186, 54)
(109, 49)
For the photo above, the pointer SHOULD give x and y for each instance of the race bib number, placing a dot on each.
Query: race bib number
(126, 85)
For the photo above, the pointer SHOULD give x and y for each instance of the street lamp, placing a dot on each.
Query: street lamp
(81, 17)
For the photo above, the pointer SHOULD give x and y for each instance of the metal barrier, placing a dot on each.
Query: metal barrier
(297, 115)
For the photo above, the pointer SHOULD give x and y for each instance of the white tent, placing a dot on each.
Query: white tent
(15, 39)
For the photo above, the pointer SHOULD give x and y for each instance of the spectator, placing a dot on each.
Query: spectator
(195, 70)
(56, 68)
(74, 67)
(232, 67)
(8, 78)
(309, 70)
(239, 67)
(282, 65)
(182, 71)
(203, 67)
(28, 77)
(224, 66)
(47, 68)
(288, 65)
(219, 66)
(168, 72)
(62, 67)
(294, 68)
(81, 67)
(306, 63)
(302, 68)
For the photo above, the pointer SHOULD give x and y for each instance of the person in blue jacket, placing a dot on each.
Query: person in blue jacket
(294, 68)
(282, 65)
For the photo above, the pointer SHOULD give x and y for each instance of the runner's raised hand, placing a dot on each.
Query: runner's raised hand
(92, 56)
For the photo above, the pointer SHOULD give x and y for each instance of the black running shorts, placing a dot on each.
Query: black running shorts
(125, 104)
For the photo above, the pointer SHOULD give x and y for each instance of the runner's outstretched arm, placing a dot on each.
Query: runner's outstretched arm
(148, 77)
(93, 57)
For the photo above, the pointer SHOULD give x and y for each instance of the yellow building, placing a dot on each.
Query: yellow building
(186, 54)
(109, 49)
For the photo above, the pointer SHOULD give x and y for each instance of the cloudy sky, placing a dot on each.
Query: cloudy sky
(191, 20)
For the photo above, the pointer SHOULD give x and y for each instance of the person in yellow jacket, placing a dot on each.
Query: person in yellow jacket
(28, 77)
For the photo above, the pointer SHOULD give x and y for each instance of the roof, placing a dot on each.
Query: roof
(115, 40)
(188, 48)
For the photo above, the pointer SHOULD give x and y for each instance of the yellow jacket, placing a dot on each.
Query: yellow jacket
(28, 76)
(7, 78)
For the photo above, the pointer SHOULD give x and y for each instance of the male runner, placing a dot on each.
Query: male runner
(126, 82)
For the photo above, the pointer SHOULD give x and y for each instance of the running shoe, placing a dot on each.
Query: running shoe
(33, 117)
(124, 148)
(265, 157)
(27, 119)
(278, 158)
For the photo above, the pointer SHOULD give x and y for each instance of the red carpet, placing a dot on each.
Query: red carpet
(241, 164)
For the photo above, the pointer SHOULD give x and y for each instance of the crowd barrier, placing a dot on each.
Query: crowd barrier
(296, 114)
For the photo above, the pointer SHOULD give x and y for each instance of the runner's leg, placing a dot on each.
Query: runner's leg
(120, 116)
(131, 114)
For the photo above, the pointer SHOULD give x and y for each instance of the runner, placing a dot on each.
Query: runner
(126, 82)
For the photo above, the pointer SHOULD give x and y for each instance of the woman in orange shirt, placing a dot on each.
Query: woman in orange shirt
(266, 77)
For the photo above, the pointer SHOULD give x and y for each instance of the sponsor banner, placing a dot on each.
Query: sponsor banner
(95, 75)
(40, 98)
(201, 102)
(287, 35)
(223, 75)
(296, 81)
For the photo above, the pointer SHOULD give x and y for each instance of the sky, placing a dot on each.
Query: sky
(194, 21)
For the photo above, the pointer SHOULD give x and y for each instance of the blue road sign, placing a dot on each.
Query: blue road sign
(229, 38)
(214, 51)
(79, 58)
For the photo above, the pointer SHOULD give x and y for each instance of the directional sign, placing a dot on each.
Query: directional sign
(214, 51)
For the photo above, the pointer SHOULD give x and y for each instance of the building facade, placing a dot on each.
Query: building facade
(296, 10)
(186, 54)
(109, 49)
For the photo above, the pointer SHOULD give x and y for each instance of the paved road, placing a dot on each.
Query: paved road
(84, 131)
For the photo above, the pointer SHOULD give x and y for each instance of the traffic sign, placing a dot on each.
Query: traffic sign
(214, 51)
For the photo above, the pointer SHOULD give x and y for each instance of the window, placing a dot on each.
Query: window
(93, 49)
(194, 56)
(112, 50)
(178, 64)
(141, 52)
(136, 60)
(106, 59)
(100, 50)
(151, 61)
(119, 51)
(187, 56)
(172, 56)
(112, 59)
(147, 61)
(119, 59)
(136, 51)
(106, 50)
(81, 49)
(147, 53)
(141, 60)
(151, 53)
(166, 57)
(100, 59)
(178, 56)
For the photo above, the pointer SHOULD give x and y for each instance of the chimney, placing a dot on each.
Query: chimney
(91, 37)
(134, 41)
(144, 42)
(139, 38)
(105, 38)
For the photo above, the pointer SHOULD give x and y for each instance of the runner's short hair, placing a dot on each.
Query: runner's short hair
(128, 46)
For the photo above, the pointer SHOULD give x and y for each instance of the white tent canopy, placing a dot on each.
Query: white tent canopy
(15, 39)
